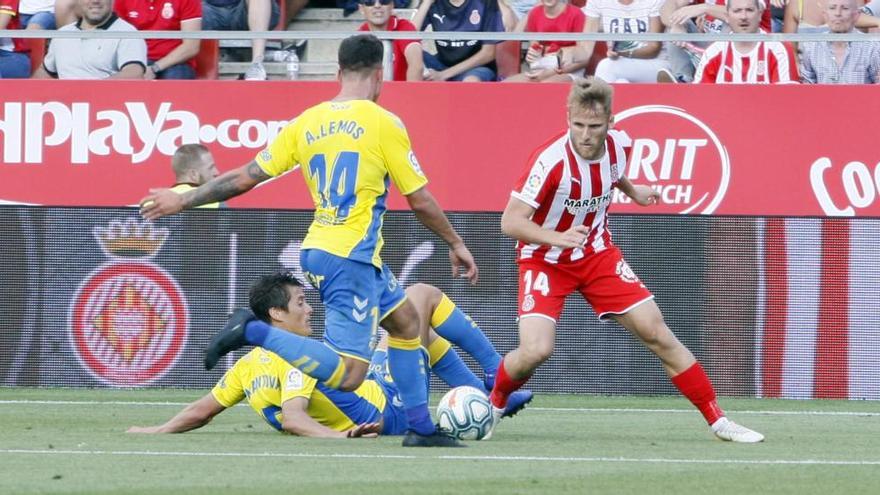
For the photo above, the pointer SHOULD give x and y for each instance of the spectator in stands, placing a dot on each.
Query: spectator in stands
(95, 58)
(689, 16)
(406, 55)
(461, 60)
(37, 14)
(549, 59)
(193, 166)
(808, 16)
(841, 62)
(627, 61)
(749, 62)
(14, 60)
(243, 15)
(166, 59)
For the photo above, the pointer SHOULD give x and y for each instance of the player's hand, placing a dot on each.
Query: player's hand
(143, 429)
(365, 430)
(460, 258)
(574, 237)
(161, 203)
(612, 54)
(645, 195)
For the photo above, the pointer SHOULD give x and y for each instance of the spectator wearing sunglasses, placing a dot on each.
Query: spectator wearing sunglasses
(460, 60)
(406, 55)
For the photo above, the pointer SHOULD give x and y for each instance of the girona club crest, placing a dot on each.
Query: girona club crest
(128, 319)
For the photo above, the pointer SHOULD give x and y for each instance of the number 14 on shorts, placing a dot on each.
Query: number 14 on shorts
(537, 281)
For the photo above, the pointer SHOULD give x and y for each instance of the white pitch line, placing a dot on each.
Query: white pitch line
(649, 460)
(550, 409)
(690, 411)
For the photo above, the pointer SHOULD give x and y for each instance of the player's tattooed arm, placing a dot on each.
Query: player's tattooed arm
(228, 185)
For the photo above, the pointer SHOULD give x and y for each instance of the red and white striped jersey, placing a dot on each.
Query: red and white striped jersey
(769, 62)
(567, 190)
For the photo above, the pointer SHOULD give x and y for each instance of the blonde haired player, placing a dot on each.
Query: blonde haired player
(558, 213)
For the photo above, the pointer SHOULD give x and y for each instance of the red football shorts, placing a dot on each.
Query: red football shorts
(604, 279)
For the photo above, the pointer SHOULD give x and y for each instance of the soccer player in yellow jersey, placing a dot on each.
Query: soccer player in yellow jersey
(350, 150)
(193, 166)
(296, 403)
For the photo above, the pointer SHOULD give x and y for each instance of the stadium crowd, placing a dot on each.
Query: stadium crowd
(468, 61)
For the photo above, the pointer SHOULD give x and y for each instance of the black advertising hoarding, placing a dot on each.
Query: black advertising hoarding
(98, 298)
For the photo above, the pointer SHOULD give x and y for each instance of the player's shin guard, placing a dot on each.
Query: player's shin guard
(695, 385)
(504, 386)
(312, 357)
(447, 364)
(452, 324)
(407, 366)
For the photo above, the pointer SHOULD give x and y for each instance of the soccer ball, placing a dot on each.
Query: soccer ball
(465, 413)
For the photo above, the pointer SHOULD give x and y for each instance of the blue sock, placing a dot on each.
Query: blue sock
(447, 364)
(379, 362)
(452, 324)
(407, 364)
(310, 356)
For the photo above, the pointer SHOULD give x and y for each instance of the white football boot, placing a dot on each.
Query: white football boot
(497, 414)
(729, 431)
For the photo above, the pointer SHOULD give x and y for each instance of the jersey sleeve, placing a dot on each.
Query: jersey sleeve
(536, 184)
(229, 391)
(625, 142)
(190, 10)
(281, 156)
(403, 167)
(296, 384)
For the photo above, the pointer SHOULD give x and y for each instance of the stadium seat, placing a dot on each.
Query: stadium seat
(507, 58)
(208, 60)
(37, 47)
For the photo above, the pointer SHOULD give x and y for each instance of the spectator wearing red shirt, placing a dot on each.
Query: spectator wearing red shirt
(14, 60)
(166, 59)
(406, 58)
(547, 58)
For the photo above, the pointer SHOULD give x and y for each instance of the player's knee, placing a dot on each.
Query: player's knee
(424, 292)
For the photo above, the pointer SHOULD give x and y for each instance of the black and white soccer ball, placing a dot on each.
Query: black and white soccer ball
(465, 413)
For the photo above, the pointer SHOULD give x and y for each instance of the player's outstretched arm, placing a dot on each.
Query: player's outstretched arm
(516, 222)
(164, 202)
(193, 416)
(642, 195)
(296, 420)
(431, 215)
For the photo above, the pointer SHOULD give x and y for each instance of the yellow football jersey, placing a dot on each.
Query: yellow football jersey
(349, 152)
(267, 381)
(180, 188)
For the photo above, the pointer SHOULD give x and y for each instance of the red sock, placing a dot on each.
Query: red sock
(695, 385)
(504, 386)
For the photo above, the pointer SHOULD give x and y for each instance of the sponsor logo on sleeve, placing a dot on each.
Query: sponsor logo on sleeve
(294, 380)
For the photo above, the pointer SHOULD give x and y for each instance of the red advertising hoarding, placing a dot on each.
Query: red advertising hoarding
(729, 150)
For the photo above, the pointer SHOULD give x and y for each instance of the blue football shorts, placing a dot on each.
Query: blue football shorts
(356, 296)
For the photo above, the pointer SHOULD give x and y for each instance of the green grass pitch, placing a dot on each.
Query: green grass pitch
(74, 441)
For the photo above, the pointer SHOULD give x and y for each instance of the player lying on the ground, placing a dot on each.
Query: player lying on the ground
(292, 401)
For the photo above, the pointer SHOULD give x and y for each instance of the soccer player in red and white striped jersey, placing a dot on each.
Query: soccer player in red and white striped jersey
(558, 213)
(747, 62)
